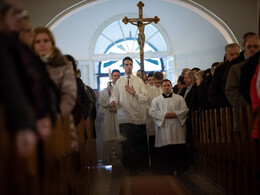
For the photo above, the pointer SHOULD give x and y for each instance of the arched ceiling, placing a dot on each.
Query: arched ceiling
(196, 36)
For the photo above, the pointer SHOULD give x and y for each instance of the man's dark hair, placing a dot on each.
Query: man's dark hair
(158, 76)
(206, 73)
(214, 64)
(142, 71)
(195, 68)
(166, 80)
(248, 34)
(150, 74)
(115, 70)
(181, 79)
(127, 58)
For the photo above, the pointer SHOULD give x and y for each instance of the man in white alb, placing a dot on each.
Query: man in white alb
(130, 97)
(169, 112)
(109, 123)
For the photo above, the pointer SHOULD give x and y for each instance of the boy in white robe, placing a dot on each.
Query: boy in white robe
(169, 112)
(130, 96)
(109, 124)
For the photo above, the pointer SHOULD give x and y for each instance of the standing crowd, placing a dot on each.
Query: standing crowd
(154, 118)
(38, 82)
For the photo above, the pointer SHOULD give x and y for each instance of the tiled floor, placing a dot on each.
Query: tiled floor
(108, 182)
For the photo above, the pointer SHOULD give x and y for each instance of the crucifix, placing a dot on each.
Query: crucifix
(140, 23)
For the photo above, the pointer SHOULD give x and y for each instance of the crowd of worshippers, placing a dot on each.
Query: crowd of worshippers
(145, 120)
(149, 114)
(38, 82)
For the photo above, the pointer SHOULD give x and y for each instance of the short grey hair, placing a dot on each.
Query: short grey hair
(231, 45)
(191, 75)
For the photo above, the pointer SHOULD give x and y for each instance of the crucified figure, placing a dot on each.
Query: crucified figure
(141, 35)
(140, 23)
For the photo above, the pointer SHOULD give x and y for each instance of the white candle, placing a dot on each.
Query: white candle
(109, 73)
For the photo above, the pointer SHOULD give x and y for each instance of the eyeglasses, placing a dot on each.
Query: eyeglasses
(250, 46)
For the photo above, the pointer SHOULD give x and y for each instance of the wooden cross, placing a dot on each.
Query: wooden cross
(140, 23)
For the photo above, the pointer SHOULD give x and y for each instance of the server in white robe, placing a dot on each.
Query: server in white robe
(169, 112)
(109, 124)
(130, 96)
(150, 78)
(153, 92)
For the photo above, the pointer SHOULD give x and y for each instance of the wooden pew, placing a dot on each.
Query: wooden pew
(231, 157)
(3, 152)
(196, 140)
(51, 168)
(213, 147)
(209, 145)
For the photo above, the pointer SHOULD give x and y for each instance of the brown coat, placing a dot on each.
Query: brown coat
(63, 76)
(232, 90)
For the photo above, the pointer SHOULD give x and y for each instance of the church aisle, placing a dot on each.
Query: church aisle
(117, 181)
(107, 181)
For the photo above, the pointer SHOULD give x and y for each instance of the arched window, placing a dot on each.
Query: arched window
(118, 40)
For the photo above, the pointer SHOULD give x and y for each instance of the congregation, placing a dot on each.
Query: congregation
(222, 85)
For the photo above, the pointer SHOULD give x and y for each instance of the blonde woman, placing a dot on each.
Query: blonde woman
(60, 71)
(199, 77)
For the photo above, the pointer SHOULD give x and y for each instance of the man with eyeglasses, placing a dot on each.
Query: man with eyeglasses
(248, 70)
(216, 92)
(232, 91)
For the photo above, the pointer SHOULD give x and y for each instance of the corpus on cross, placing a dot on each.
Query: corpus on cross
(140, 23)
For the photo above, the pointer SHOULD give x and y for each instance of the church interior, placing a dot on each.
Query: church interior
(189, 33)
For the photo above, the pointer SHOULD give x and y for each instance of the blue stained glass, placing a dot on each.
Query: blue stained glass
(155, 62)
(138, 62)
(121, 47)
(125, 44)
(109, 63)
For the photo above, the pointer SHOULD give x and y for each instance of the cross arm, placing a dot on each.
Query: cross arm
(131, 20)
(143, 20)
(150, 20)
